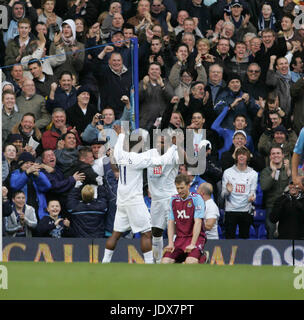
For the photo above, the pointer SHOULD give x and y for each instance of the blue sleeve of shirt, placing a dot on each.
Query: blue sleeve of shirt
(199, 207)
(171, 215)
(299, 147)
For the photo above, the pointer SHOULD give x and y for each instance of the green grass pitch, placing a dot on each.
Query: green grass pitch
(30, 280)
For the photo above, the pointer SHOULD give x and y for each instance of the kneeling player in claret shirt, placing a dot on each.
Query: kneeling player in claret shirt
(186, 221)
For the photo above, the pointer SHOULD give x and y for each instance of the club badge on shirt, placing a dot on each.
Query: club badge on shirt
(157, 171)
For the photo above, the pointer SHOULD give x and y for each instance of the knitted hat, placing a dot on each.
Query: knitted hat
(82, 89)
(193, 84)
(234, 76)
(25, 157)
(280, 128)
(14, 137)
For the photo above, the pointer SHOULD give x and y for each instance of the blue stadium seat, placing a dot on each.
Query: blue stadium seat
(259, 197)
(221, 218)
(260, 215)
(220, 232)
(262, 233)
(252, 233)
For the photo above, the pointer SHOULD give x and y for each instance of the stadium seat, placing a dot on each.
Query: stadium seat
(259, 197)
(220, 232)
(260, 215)
(262, 233)
(252, 233)
(221, 218)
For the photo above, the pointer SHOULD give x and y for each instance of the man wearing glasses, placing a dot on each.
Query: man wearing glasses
(253, 83)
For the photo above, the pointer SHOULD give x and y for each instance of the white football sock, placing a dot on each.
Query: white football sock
(107, 256)
(157, 247)
(148, 257)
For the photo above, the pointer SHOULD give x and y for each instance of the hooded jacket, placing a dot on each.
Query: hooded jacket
(12, 22)
(74, 61)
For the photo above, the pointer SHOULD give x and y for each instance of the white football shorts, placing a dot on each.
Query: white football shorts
(160, 210)
(135, 217)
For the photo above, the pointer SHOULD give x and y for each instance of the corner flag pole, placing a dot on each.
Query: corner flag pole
(1, 165)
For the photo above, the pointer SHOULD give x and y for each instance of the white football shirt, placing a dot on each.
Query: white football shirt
(131, 165)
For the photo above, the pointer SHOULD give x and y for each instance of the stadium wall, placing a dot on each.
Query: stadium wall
(222, 252)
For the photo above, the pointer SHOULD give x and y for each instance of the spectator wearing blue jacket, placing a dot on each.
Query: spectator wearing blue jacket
(239, 123)
(238, 102)
(32, 182)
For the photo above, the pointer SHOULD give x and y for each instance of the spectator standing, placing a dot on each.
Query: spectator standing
(274, 179)
(280, 81)
(155, 94)
(288, 213)
(62, 95)
(74, 50)
(58, 128)
(18, 10)
(81, 114)
(34, 183)
(16, 48)
(239, 190)
(9, 115)
(30, 101)
(22, 220)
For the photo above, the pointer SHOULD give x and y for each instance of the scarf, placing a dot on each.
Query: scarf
(272, 22)
(68, 41)
(286, 78)
(290, 197)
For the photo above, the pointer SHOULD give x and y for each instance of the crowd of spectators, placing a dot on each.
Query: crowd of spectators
(231, 67)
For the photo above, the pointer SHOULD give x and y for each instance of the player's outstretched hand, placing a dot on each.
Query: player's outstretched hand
(190, 248)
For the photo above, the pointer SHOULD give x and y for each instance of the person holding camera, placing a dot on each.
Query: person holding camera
(102, 124)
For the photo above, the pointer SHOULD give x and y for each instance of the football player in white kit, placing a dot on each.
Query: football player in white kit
(132, 212)
(161, 181)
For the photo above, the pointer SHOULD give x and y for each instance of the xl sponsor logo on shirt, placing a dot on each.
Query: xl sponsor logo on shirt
(181, 214)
